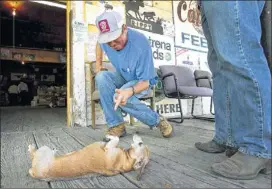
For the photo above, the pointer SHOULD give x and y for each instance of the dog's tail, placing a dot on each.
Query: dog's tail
(42, 162)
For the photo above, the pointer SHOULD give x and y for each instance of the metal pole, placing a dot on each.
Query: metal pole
(0, 29)
(13, 32)
(68, 61)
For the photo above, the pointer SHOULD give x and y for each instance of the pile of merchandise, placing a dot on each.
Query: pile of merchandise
(53, 96)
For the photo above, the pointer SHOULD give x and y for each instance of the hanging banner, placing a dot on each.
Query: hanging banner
(188, 29)
(163, 49)
(31, 55)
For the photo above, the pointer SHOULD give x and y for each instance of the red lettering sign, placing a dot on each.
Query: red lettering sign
(187, 10)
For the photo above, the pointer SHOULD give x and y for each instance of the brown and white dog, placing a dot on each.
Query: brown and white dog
(97, 158)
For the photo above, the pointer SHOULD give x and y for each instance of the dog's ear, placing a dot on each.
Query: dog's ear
(139, 167)
(138, 164)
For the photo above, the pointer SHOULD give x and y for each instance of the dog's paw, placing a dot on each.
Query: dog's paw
(30, 171)
(137, 139)
(54, 151)
(31, 147)
(111, 137)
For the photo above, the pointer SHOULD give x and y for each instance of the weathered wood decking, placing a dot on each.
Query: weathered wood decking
(175, 162)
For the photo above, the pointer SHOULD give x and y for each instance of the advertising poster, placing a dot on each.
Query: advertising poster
(205, 100)
(168, 107)
(204, 62)
(91, 44)
(49, 78)
(188, 58)
(17, 56)
(188, 29)
(162, 48)
(5, 53)
(63, 57)
(29, 57)
(145, 15)
(192, 59)
(16, 76)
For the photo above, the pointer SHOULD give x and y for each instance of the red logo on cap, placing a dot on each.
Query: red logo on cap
(104, 26)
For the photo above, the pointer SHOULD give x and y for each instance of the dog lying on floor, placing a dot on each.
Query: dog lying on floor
(97, 158)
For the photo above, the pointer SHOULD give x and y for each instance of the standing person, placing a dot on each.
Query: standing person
(23, 92)
(13, 94)
(242, 87)
(130, 53)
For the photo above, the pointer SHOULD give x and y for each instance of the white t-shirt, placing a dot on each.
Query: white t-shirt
(12, 89)
(22, 87)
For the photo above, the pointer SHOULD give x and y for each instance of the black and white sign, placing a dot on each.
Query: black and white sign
(140, 15)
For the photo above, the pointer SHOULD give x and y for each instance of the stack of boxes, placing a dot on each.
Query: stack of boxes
(53, 94)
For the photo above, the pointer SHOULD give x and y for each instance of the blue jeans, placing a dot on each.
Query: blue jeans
(241, 77)
(106, 83)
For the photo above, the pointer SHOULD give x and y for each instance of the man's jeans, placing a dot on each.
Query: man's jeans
(106, 83)
(242, 81)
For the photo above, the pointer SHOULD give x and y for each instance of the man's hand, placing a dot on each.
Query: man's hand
(122, 96)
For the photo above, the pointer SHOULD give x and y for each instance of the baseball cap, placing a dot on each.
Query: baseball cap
(109, 24)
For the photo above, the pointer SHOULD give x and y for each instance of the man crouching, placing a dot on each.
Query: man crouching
(130, 53)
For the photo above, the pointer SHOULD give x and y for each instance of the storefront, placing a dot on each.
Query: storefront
(172, 27)
(174, 33)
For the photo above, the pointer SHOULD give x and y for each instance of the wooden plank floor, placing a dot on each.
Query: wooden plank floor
(31, 118)
(175, 162)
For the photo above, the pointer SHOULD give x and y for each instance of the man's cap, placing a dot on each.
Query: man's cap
(109, 24)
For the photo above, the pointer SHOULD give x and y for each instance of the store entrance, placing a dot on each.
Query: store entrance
(33, 63)
(33, 84)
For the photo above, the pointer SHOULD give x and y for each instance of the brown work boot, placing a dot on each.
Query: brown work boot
(119, 130)
(241, 166)
(165, 127)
